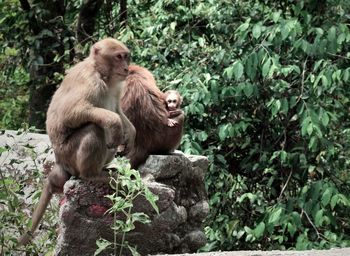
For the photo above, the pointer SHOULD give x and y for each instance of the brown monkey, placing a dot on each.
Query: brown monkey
(144, 104)
(173, 101)
(81, 121)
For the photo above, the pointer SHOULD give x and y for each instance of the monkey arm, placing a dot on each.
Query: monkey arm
(180, 118)
(175, 113)
(108, 120)
(129, 129)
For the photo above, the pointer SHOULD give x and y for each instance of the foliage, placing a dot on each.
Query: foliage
(265, 85)
(20, 187)
(14, 78)
(127, 185)
(267, 101)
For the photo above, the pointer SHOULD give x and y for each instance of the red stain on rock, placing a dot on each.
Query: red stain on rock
(96, 210)
(63, 200)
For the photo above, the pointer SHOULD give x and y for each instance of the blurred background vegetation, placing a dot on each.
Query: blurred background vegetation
(266, 87)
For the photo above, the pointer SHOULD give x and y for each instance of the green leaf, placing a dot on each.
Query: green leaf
(324, 81)
(133, 251)
(259, 230)
(266, 67)
(173, 25)
(276, 105)
(325, 119)
(331, 34)
(275, 216)
(283, 156)
(248, 89)
(223, 132)
(256, 30)
(310, 128)
(346, 75)
(285, 31)
(237, 69)
(102, 245)
(291, 229)
(251, 65)
(201, 42)
(152, 199)
(243, 27)
(326, 197)
(284, 106)
(334, 201)
(276, 16)
(319, 218)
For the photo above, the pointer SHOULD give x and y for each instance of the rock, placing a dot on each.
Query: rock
(199, 211)
(195, 239)
(164, 166)
(177, 179)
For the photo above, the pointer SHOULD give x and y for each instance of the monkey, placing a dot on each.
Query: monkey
(85, 122)
(173, 101)
(144, 105)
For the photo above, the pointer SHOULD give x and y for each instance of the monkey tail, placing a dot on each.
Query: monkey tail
(44, 200)
(25, 239)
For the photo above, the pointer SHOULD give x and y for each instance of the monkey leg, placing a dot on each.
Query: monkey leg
(53, 184)
(92, 153)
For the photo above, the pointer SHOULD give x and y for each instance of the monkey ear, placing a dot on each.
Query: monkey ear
(95, 49)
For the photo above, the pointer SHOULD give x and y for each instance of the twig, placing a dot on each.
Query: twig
(285, 185)
(312, 224)
(302, 81)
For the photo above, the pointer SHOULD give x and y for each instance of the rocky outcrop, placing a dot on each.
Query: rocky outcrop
(177, 180)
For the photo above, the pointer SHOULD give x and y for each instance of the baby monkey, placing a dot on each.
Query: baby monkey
(173, 101)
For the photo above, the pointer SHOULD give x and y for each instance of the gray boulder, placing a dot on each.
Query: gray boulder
(177, 179)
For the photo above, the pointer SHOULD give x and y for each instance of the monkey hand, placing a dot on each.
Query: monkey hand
(130, 138)
(172, 123)
(112, 145)
(115, 137)
(113, 142)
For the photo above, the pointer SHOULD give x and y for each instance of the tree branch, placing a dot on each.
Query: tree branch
(87, 19)
(123, 13)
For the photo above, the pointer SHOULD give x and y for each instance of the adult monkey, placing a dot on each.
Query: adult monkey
(81, 121)
(144, 104)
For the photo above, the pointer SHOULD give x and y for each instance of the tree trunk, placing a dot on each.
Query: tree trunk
(87, 20)
(123, 14)
(43, 67)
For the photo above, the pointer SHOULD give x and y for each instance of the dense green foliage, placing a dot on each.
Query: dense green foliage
(267, 101)
(20, 187)
(265, 85)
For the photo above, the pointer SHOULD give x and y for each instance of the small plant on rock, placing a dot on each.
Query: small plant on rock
(128, 185)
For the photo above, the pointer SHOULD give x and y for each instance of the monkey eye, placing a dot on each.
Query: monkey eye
(122, 56)
(118, 56)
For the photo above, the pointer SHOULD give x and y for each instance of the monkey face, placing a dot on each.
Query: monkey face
(172, 102)
(121, 64)
(112, 58)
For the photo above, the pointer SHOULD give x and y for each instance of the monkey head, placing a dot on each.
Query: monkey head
(111, 59)
(173, 99)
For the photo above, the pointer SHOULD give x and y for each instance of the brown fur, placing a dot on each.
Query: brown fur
(144, 104)
(81, 121)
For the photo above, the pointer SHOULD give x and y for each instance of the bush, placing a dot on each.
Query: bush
(265, 87)
(267, 100)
